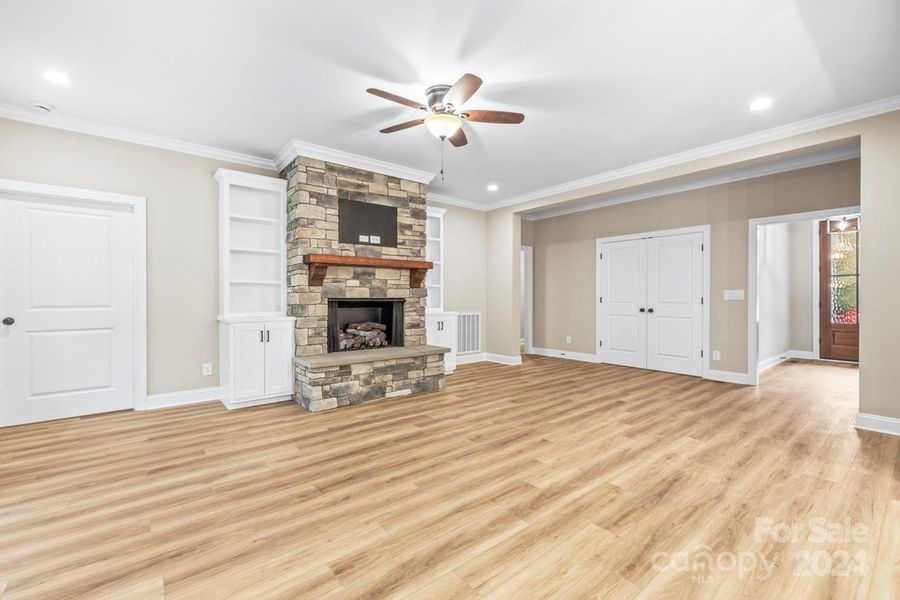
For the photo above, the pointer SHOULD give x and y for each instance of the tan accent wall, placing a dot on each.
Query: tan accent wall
(465, 260)
(182, 233)
(801, 253)
(564, 250)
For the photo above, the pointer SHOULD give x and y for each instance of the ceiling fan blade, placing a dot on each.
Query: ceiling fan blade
(400, 126)
(462, 90)
(493, 116)
(459, 138)
(396, 98)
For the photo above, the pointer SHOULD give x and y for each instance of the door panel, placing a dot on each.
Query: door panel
(67, 278)
(623, 291)
(279, 357)
(839, 293)
(674, 290)
(249, 361)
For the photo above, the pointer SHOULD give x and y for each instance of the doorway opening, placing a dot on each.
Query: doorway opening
(804, 283)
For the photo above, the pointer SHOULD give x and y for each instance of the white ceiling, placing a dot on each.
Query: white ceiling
(603, 84)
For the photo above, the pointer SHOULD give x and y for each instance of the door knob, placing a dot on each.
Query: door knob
(642, 309)
(649, 310)
(8, 321)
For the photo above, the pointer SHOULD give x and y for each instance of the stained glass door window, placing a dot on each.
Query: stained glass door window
(845, 277)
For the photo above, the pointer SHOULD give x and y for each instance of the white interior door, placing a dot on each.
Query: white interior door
(623, 292)
(674, 311)
(249, 360)
(67, 281)
(279, 357)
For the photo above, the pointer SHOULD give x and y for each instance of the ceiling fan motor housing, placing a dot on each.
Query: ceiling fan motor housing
(435, 96)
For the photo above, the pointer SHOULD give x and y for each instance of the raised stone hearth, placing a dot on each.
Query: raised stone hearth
(317, 193)
(345, 378)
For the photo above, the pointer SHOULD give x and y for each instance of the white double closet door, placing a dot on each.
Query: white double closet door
(650, 303)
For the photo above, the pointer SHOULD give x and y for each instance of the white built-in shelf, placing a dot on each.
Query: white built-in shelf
(249, 219)
(434, 252)
(252, 264)
(255, 250)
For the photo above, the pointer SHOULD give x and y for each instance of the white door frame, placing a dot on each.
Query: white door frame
(55, 194)
(702, 229)
(753, 278)
(528, 306)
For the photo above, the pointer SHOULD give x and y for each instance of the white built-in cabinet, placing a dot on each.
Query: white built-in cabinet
(256, 337)
(440, 329)
(440, 325)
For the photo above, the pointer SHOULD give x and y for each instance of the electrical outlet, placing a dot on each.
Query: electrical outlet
(207, 369)
(716, 355)
(568, 339)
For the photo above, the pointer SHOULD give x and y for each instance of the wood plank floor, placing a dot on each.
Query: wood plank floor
(556, 479)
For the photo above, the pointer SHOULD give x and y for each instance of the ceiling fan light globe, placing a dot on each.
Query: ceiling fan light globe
(443, 125)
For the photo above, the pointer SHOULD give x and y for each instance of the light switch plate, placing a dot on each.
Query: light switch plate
(716, 355)
(364, 239)
(374, 239)
(207, 369)
(734, 294)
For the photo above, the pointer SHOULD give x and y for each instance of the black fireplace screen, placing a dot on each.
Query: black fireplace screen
(364, 323)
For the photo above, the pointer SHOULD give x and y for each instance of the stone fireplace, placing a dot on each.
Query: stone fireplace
(355, 276)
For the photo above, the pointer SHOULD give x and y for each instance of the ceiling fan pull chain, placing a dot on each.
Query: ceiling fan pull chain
(442, 158)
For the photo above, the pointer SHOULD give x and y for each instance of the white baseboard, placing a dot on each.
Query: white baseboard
(474, 357)
(465, 359)
(780, 358)
(878, 423)
(727, 377)
(503, 359)
(582, 356)
(182, 398)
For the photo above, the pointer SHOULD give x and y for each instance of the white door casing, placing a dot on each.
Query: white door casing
(623, 292)
(67, 277)
(674, 292)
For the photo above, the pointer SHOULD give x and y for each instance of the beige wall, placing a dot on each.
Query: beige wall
(785, 288)
(465, 260)
(801, 254)
(564, 248)
(182, 233)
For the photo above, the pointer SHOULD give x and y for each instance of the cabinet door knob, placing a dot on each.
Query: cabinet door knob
(261, 338)
(268, 333)
(9, 321)
(642, 309)
(649, 310)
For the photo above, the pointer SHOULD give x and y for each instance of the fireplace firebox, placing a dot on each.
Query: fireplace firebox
(364, 323)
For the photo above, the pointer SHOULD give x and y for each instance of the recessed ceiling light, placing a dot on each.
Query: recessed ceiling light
(57, 77)
(761, 104)
(493, 187)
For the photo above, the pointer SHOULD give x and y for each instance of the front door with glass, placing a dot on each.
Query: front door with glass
(839, 289)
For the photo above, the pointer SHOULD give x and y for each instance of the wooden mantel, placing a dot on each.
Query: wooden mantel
(319, 263)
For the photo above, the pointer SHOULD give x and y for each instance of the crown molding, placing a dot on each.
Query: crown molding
(854, 113)
(450, 201)
(832, 155)
(57, 121)
(295, 148)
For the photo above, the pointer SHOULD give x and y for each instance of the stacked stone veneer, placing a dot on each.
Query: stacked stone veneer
(323, 388)
(314, 188)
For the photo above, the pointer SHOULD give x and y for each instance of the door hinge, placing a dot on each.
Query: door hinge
(601, 299)
(702, 247)
(600, 343)
(701, 354)
(601, 256)
(701, 299)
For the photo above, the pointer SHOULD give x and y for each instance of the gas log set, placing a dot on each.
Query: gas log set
(359, 336)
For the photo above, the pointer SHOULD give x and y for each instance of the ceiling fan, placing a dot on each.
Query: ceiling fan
(445, 119)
